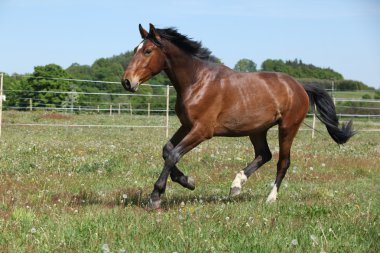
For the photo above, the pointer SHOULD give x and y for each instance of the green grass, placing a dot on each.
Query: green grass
(86, 189)
(353, 94)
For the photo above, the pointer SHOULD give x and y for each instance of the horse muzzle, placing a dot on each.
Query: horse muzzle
(130, 86)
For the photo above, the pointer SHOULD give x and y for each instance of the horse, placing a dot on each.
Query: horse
(214, 100)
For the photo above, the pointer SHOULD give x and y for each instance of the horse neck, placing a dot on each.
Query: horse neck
(182, 69)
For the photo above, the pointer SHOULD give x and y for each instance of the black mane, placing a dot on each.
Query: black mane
(188, 45)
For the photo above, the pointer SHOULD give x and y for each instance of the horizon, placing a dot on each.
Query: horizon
(340, 35)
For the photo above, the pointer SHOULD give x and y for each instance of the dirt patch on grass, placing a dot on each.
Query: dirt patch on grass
(57, 116)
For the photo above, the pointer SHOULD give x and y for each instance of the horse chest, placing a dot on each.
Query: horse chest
(191, 112)
(184, 114)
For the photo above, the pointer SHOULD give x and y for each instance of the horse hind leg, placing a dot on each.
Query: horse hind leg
(262, 155)
(286, 137)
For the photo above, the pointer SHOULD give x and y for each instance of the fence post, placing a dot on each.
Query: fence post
(130, 108)
(148, 109)
(1, 101)
(314, 118)
(30, 104)
(167, 111)
(71, 104)
(332, 91)
(110, 109)
(119, 110)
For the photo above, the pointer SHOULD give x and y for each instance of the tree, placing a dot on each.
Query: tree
(351, 85)
(43, 85)
(245, 65)
(77, 71)
(366, 96)
(377, 94)
(17, 91)
(298, 69)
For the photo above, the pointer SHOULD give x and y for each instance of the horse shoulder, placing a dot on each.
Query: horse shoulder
(201, 103)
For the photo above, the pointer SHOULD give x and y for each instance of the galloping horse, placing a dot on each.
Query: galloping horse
(213, 100)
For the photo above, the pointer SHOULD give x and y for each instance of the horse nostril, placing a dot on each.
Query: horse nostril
(126, 84)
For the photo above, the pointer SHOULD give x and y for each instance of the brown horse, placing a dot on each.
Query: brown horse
(213, 100)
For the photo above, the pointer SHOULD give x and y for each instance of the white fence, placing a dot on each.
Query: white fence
(103, 106)
(129, 106)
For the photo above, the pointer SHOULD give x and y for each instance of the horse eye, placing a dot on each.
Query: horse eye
(148, 51)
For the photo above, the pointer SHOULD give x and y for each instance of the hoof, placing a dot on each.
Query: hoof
(271, 200)
(234, 191)
(154, 204)
(273, 195)
(190, 183)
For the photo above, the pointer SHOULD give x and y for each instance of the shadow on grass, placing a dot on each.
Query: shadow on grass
(179, 200)
(136, 197)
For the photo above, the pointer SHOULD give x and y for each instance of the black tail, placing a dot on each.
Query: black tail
(327, 114)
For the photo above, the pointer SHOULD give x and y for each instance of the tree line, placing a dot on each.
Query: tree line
(39, 89)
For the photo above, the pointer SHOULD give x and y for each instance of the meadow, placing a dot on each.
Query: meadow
(354, 94)
(65, 189)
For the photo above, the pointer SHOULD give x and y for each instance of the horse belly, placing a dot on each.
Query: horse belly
(246, 124)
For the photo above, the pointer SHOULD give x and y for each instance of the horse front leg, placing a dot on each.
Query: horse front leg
(176, 174)
(190, 141)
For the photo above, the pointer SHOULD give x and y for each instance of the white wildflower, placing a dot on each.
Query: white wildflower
(294, 242)
(106, 248)
(314, 239)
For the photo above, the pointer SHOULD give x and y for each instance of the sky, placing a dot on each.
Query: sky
(340, 34)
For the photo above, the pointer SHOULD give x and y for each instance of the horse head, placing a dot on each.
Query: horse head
(148, 60)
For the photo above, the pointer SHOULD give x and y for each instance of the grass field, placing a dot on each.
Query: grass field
(68, 189)
(354, 94)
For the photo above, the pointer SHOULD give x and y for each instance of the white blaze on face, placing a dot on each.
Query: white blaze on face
(273, 195)
(140, 46)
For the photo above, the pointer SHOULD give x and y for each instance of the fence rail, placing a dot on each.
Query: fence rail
(108, 104)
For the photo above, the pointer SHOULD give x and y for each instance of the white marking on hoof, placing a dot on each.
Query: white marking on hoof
(273, 195)
(240, 179)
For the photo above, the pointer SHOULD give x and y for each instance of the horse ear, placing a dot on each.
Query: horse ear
(152, 31)
(143, 32)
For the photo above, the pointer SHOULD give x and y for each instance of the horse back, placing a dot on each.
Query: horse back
(237, 104)
(253, 102)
